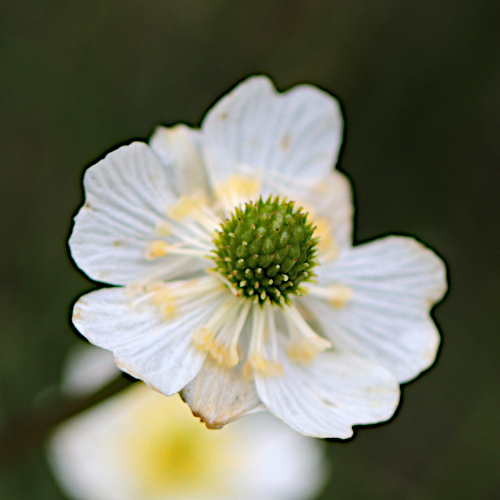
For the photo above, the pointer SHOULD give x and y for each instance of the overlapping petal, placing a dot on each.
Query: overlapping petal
(395, 281)
(219, 395)
(146, 346)
(331, 200)
(179, 150)
(328, 201)
(331, 394)
(255, 129)
(126, 196)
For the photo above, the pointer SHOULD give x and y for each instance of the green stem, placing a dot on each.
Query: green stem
(20, 436)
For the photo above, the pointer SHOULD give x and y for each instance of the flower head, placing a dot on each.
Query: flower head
(237, 282)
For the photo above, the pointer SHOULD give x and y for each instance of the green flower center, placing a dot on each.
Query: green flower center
(266, 249)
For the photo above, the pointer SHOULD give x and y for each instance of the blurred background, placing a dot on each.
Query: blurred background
(420, 86)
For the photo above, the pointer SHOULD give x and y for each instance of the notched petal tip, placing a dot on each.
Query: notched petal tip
(126, 368)
(219, 395)
(212, 425)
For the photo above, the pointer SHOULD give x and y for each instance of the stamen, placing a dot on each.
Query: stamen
(327, 245)
(262, 326)
(186, 206)
(160, 248)
(195, 207)
(305, 344)
(172, 296)
(156, 249)
(224, 347)
(165, 300)
(163, 228)
(203, 337)
(190, 234)
(147, 284)
(237, 190)
(337, 295)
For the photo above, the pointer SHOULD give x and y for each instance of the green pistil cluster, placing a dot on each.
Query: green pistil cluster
(266, 250)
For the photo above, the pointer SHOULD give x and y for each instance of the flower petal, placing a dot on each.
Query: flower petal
(394, 281)
(281, 464)
(219, 395)
(127, 194)
(179, 150)
(329, 203)
(147, 347)
(297, 133)
(332, 201)
(331, 394)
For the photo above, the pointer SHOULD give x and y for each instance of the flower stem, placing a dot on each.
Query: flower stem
(19, 436)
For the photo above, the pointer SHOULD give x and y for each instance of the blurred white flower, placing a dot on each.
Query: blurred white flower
(140, 445)
(86, 370)
(238, 281)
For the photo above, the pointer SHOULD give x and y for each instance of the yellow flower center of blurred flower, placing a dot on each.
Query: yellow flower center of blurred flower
(167, 451)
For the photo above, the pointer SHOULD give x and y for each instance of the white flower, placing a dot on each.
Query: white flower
(140, 445)
(209, 302)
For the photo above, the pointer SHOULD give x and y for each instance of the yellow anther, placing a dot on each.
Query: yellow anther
(203, 339)
(237, 189)
(168, 311)
(327, 245)
(247, 371)
(223, 355)
(340, 295)
(264, 367)
(163, 228)
(165, 300)
(336, 295)
(187, 206)
(303, 351)
(156, 249)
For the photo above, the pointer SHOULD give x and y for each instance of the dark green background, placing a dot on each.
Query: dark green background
(420, 85)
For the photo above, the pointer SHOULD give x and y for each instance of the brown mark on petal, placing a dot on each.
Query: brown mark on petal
(329, 404)
(209, 425)
(286, 141)
(77, 311)
(128, 369)
(223, 116)
(218, 395)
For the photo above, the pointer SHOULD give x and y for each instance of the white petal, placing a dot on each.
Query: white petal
(126, 196)
(328, 200)
(297, 133)
(330, 395)
(219, 395)
(159, 352)
(332, 200)
(281, 464)
(395, 281)
(84, 455)
(86, 369)
(179, 150)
